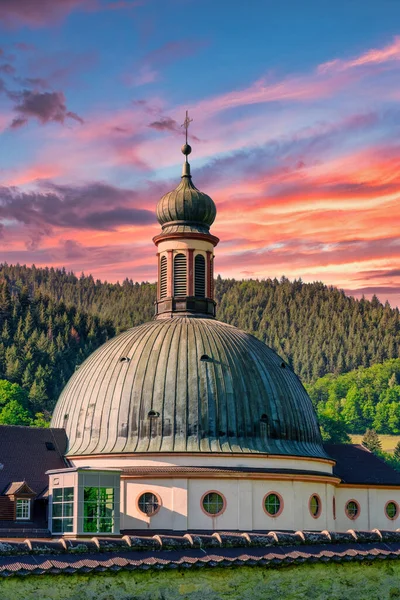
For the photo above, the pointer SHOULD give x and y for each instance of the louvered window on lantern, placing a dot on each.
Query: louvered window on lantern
(180, 275)
(163, 277)
(199, 276)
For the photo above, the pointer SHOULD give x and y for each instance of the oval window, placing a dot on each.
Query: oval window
(315, 506)
(352, 509)
(391, 510)
(213, 503)
(273, 504)
(149, 504)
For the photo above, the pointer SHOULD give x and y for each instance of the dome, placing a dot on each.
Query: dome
(186, 206)
(187, 385)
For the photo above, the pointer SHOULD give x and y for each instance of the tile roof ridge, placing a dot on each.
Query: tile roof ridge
(190, 540)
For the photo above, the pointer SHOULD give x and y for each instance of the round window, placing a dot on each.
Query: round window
(213, 503)
(273, 504)
(149, 504)
(391, 510)
(315, 506)
(352, 509)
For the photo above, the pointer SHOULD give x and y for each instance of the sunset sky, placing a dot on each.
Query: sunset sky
(295, 134)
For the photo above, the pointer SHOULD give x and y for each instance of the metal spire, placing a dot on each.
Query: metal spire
(186, 149)
(186, 124)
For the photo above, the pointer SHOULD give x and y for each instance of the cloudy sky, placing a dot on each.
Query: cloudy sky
(296, 134)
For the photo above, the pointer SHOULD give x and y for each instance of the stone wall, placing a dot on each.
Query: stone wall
(378, 580)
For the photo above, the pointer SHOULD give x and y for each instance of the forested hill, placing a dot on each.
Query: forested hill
(41, 343)
(317, 329)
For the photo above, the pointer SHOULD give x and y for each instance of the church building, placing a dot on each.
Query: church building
(188, 424)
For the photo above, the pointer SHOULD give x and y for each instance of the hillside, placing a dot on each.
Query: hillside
(361, 399)
(42, 341)
(317, 329)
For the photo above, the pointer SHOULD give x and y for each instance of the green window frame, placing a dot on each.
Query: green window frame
(98, 510)
(62, 519)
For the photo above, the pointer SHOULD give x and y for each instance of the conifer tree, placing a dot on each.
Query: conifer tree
(396, 452)
(371, 441)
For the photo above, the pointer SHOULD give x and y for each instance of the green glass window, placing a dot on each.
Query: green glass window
(391, 510)
(98, 510)
(352, 509)
(213, 503)
(272, 504)
(148, 504)
(315, 506)
(63, 510)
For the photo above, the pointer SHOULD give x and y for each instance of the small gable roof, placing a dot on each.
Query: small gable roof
(26, 454)
(19, 487)
(355, 464)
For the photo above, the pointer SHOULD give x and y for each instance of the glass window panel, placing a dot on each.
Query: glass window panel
(57, 510)
(57, 495)
(68, 509)
(148, 503)
(213, 503)
(391, 510)
(98, 509)
(68, 525)
(352, 509)
(22, 509)
(91, 494)
(57, 526)
(272, 504)
(105, 525)
(90, 524)
(68, 493)
(314, 505)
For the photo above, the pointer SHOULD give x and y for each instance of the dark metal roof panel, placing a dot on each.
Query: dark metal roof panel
(355, 464)
(164, 398)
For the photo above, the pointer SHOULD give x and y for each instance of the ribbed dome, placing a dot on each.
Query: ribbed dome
(186, 205)
(187, 385)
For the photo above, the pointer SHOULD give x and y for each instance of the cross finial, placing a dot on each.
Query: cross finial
(186, 124)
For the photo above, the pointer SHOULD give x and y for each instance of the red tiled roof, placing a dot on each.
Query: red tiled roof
(193, 550)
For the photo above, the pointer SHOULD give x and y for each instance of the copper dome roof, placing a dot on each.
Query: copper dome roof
(186, 206)
(187, 385)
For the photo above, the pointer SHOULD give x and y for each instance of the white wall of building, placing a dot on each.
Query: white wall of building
(204, 460)
(181, 505)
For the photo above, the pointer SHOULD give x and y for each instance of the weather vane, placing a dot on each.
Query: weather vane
(186, 124)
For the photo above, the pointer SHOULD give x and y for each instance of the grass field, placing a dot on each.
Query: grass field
(388, 441)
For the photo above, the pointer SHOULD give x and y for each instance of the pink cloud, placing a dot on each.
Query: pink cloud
(16, 13)
(375, 56)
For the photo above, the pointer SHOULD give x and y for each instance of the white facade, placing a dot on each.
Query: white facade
(180, 491)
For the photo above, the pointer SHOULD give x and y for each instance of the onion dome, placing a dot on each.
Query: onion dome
(186, 208)
(187, 385)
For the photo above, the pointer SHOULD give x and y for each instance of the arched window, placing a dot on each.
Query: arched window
(180, 275)
(211, 276)
(199, 276)
(163, 277)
